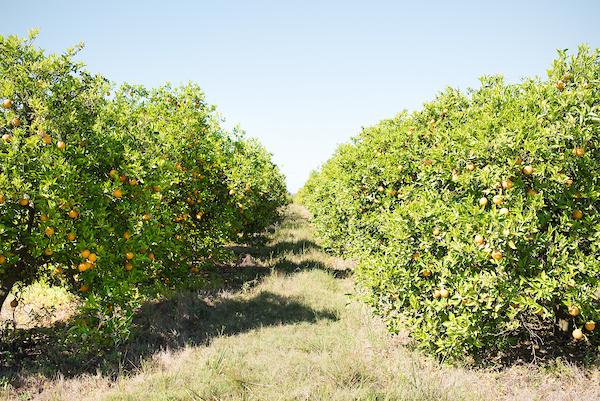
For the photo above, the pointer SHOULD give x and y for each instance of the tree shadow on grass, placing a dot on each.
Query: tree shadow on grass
(276, 250)
(187, 319)
(250, 272)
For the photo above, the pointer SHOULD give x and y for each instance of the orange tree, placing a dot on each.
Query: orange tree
(113, 194)
(256, 186)
(475, 220)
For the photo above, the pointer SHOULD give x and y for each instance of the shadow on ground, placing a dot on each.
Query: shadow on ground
(187, 318)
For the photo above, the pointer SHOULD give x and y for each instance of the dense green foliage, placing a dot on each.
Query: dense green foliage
(117, 193)
(476, 220)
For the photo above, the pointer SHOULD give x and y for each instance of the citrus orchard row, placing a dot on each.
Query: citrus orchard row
(114, 193)
(475, 220)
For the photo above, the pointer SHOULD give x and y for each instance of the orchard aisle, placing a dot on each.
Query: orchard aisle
(290, 328)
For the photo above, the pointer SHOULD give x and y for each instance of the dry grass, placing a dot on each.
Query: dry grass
(286, 329)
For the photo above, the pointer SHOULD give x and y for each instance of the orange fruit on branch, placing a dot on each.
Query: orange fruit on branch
(497, 255)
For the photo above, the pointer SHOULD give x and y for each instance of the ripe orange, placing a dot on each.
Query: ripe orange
(128, 266)
(24, 202)
(579, 151)
(527, 170)
(426, 273)
(590, 326)
(129, 255)
(146, 217)
(44, 217)
(195, 270)
(498, 200)
(85, 253)
(574, 310)
(577, 214)
(83, 266)
(73, 214)
(58, 270)
(497, 254)
(49, 231)
(444, 293)
(577, 334)
(560, 85)
(84, 288)
(479, 240)
(151, 256)
(71, 237)
(2, 259)
(93, 257)
(126, 235)
(507, 184)
(118, 193)
(7, 103)
(15, 122)
(14, 303)
(60, 145)
(47, 139)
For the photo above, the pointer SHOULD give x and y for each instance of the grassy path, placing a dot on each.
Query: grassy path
(288, 328)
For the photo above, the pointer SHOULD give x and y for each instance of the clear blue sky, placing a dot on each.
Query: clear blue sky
(304, 76)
